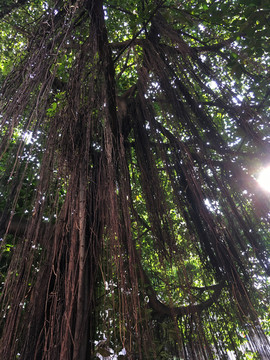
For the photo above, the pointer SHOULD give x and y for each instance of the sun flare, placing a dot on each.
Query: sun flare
(264, 179)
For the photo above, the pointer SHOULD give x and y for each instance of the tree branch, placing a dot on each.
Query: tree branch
(175, 311)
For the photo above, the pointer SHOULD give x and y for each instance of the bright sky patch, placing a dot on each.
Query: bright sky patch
(264, 179)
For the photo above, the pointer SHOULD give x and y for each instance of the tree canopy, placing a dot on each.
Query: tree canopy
(132, 225)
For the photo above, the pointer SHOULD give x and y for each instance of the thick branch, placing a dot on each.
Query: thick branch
(175, 311)
(163, 309)
(213, 47)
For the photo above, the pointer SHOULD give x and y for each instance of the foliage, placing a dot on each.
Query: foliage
(131, 219)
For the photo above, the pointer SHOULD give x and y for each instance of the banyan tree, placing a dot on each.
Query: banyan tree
(132, 222)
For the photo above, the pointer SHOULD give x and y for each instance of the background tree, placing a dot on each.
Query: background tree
(132, 224)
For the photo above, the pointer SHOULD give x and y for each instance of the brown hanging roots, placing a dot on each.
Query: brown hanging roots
(114, 246)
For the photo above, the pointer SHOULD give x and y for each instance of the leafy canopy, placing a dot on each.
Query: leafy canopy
(132, 224)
